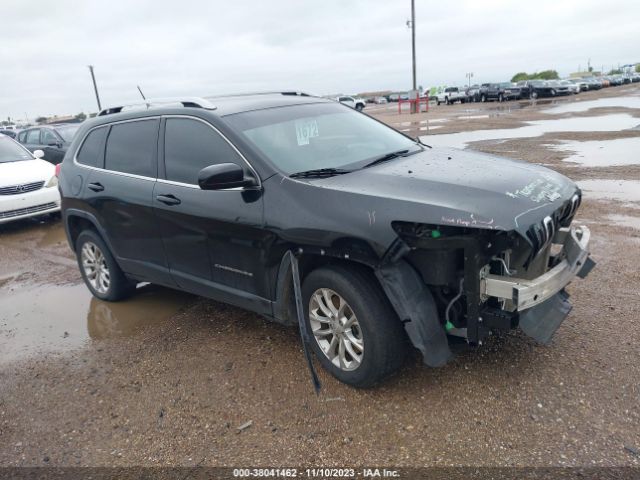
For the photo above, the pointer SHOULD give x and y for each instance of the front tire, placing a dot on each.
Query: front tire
(100, 272)
(357, 335)
(359, 107)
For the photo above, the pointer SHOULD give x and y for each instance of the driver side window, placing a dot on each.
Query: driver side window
(191, 145)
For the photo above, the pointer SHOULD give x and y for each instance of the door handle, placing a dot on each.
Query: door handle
(168, 199)
(96, 187)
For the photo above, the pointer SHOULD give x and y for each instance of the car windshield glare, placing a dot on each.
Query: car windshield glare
(10, 151)
(318, 136)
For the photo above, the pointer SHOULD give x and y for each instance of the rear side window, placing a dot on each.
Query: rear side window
(190, 146)
(131, 147)
(22, 137)
(93, 147)
(33, 136)
(48, 137)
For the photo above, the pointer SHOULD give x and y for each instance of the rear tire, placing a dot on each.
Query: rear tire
(359, 107)
(357, 335)
(100, 271)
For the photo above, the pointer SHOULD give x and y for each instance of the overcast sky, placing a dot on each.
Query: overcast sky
(198, 47)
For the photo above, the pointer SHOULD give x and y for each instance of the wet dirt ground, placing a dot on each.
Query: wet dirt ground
(167, 378)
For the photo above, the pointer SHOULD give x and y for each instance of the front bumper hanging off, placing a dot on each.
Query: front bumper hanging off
(541, 303)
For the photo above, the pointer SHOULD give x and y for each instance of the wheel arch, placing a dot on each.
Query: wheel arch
(76, 221)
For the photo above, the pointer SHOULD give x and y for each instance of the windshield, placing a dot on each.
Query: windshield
(67, 132)
(10, 151)
(320, 135)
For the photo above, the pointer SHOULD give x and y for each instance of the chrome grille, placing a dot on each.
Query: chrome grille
(25, 211)
(21, 188)
(541, 234)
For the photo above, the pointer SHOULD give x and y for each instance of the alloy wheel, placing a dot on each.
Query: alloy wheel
(336, 329)
(95, 267)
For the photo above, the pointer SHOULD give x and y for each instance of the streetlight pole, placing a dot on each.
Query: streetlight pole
(469, 77)
(95, 87)
(414, 105)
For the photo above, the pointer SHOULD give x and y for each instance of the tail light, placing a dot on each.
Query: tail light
(58, 167)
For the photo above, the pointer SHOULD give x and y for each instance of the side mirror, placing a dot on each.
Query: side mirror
(53, 143)
(38, 153)
(223, 176)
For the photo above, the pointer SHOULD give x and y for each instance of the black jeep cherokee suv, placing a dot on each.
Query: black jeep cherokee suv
(398, 244)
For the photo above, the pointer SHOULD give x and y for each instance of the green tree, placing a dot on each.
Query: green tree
(615, 71)
(41, 120)
(81, 117)
(548, 75)
(638, 68)
(518, 77)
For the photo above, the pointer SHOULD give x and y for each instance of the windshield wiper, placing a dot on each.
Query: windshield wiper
(319, 173)
(386, 157)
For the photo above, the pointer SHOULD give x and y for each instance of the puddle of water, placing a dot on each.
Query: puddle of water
(604, 123)
(471, 117)
(607, 153)
(620, 190)
(62, 318)
(582, 106)
(625, 220)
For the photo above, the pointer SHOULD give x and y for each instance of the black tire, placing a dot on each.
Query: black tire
(120, 287)
(438, 102)
(359, 107)
(382, 334)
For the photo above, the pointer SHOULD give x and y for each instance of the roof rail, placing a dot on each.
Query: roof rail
(193, 102)
(269, 92)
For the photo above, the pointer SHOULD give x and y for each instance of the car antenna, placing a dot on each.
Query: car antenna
(304, 332)
(140, 90)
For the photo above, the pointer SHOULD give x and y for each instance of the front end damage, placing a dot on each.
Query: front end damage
(469, 282)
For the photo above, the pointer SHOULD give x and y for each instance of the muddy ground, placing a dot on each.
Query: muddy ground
(167, 378)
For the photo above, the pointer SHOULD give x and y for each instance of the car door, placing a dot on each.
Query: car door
(213, 238)
(119, 192)
(51, 145)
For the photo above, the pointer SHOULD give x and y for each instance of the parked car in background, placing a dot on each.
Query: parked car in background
(593, 83)
(353, 102)
(380, 100)
(28, 185)
(584, 86)
(557, 88)
(572, 87)
(536, 88)
(53, 140)
(451, 95)
(473, 93)
(9, 133)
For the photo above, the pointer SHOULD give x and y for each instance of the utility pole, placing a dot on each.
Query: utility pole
(414, 105)
(95, 87)
(469, 77)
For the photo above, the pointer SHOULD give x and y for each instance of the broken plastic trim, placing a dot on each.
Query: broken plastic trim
(304, 332)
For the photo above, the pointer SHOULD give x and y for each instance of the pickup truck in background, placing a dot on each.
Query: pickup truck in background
(451, 95)
(353, 102)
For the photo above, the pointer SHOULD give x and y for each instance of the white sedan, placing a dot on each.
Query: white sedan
(28, 185)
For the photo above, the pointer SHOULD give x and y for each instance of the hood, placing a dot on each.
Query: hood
(448, 186)
(25, 171)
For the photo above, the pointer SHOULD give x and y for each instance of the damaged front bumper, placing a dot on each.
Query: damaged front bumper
(540, 305)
